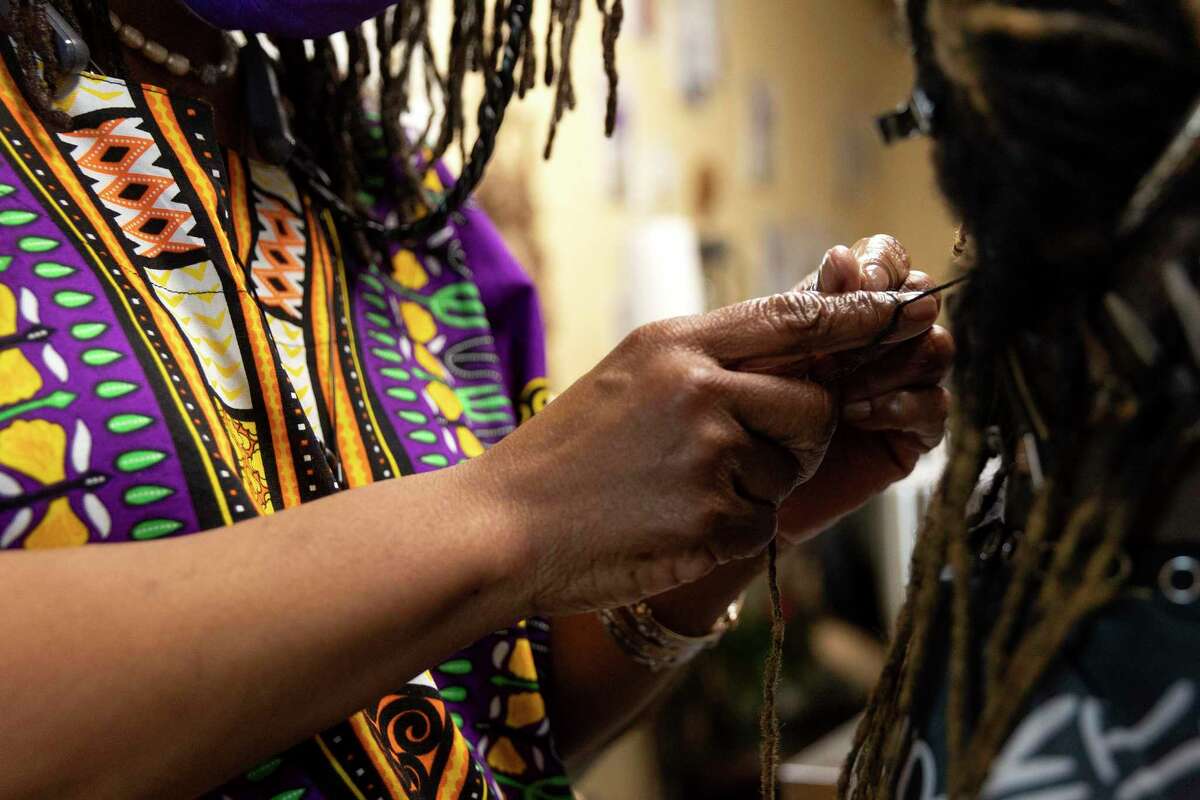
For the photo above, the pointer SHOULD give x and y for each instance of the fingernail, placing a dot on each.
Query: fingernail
(877, 278)
(856, 412)
(923, 310)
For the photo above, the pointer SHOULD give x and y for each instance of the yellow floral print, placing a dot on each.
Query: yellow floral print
(19, 380)
(447, 401)
(407, 271)
(38, 448)
(420, 323)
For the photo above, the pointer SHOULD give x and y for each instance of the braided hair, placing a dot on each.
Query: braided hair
(342, 141)
(1050, 117)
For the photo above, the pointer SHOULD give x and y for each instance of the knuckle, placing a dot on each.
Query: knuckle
(942, 346)
(644, 337)
(823, 407)
(673, 372)
(816, 412)
(888, 249)
(700, 375)
(695, 381)
(867, 312)
(717, 443)
(902, 405)
(886, 253)
(918, 281)
(800, 313)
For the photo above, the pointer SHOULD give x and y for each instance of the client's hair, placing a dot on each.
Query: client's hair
(1054, 122)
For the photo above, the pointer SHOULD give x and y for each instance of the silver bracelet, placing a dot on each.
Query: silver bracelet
(655, 646)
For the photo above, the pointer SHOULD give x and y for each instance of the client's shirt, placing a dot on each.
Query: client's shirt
(1117, 714)
(184, 342)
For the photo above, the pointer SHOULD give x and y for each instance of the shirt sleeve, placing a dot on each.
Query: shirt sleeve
(513, 310)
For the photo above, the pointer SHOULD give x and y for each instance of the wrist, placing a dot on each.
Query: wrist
(693, 608)
(497, 541)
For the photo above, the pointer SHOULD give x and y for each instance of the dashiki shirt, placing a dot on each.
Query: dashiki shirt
(181, 331)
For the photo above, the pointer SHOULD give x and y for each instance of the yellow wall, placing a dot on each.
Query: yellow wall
(832, 65)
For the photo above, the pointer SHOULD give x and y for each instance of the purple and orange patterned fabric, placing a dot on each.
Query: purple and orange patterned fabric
(181, 334)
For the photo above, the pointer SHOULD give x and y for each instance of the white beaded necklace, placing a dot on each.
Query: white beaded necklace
(175, 63)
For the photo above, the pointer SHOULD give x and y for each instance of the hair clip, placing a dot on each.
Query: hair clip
(1179, 157)
(911, 119)
(1185, 300)
(69, 47)
(263, 104)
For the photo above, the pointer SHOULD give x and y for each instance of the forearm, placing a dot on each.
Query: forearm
(158, 669)
(598, 690)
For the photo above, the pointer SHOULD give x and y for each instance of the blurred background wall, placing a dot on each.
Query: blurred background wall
(745, 148)
(773, 161)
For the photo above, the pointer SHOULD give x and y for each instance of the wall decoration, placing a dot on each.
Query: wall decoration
(699, 26)
(663, 277)
(762, 139)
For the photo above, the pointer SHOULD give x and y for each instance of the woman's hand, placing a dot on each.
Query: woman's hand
(893, 408)
(663, 462)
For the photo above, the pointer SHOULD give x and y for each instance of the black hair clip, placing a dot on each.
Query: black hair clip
(911, 119)
(265, 113)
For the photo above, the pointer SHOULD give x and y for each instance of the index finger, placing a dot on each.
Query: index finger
(809, 323)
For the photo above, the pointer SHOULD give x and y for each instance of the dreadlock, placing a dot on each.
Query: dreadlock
(1050, 117)
(506, 60)
(40, 69)
(340, 144)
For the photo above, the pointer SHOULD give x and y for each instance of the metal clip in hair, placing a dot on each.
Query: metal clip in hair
(1185, 300)
(911, 119)
(1176, 161)
(69, 47)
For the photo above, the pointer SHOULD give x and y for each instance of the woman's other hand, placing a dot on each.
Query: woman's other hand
(663, 462)
(893, 407)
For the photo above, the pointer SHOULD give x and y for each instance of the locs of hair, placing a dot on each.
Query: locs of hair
(1049, 115)
(328, 105)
